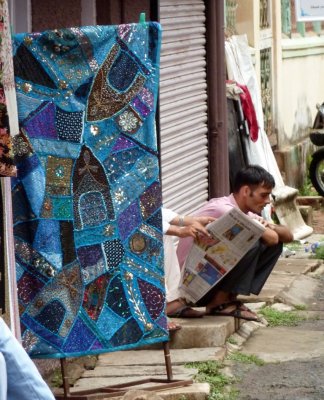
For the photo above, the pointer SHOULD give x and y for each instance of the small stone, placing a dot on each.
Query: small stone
(282, 307)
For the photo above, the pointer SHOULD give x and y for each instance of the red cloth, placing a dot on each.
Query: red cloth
(249, 112)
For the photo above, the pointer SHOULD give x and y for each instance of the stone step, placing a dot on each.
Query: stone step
(209, 331)
(156, 357)
(133, 365)
(196, 391)
(314, 201)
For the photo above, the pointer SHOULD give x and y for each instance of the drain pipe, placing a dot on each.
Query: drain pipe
(217, 103)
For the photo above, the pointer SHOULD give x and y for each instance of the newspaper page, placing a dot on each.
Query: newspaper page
(211, 258)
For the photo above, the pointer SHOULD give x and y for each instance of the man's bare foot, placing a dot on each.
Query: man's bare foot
(173, 326)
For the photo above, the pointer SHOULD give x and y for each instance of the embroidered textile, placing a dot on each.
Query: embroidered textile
(87, 199)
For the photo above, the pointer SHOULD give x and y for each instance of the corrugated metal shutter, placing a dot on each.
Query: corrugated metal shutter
(183, 105)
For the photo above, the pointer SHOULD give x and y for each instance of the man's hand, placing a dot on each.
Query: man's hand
(275, 233)
(193, 226)
(196, 228)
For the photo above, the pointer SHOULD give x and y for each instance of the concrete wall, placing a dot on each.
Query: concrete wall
(297, 85)
(300, 85)
(302, 80)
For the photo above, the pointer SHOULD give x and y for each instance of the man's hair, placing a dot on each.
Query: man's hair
(253, 176)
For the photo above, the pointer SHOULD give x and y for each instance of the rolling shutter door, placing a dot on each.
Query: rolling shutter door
(183, 105)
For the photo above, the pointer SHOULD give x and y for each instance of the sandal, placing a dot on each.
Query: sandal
(186, 312)
(235, 312)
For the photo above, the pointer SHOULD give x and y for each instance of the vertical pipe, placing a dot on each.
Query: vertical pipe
(217, 107)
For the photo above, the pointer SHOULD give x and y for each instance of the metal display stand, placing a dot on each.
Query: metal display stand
(121, 389)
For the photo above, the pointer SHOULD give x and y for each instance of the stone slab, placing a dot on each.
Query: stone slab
(156, 357)
(136, 371)
(300, 291)
(276, 344)
(313, 201)
(96, 382)
(196, 391)
(295, 266)
(275, 285)
(209, 331)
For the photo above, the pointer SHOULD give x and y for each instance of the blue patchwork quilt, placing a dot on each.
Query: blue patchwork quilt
(87, 198)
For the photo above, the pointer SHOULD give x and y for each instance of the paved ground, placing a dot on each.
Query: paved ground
(294, 356)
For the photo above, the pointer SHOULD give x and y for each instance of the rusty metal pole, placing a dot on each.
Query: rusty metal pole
(217, 103)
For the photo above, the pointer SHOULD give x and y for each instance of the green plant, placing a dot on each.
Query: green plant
(245, 358)
(300, 307)
(319, 253)
(56, 380)
(231, 340)
(307, 189)
(295, 245)
(278, 318)
(209, 372)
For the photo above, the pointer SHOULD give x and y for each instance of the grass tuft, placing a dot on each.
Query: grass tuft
(210, 372)
(245, 358)
(278, 318)
(231, 340)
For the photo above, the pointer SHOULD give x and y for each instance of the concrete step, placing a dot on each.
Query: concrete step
(129, 366)
(283, 276)
(315, 202)
(209, 331)
(156, 357)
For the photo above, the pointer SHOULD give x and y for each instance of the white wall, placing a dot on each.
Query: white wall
(302, 86)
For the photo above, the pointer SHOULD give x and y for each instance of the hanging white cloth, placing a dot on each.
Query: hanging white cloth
(240, 69)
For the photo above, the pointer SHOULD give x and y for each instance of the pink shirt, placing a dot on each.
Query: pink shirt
(214, 208)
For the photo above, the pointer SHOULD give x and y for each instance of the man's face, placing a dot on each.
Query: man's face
(258, 198)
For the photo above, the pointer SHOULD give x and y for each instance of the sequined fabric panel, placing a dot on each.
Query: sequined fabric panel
(87, 199)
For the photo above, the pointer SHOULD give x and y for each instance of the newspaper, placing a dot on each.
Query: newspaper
(211, 258)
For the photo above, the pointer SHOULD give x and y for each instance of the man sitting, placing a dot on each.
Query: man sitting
(251, 193)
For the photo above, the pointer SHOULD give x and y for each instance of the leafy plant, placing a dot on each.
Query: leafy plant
(279, 318)
(319, 253)
(209, 372)
(300, 307)
(295, 245)
(231, 340)
(245, 358)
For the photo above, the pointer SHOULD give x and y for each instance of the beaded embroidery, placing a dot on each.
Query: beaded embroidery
(87, 199)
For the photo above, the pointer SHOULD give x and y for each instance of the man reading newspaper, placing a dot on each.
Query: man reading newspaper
(251, 193)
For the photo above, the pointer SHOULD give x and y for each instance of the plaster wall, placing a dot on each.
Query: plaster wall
(302, 86)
